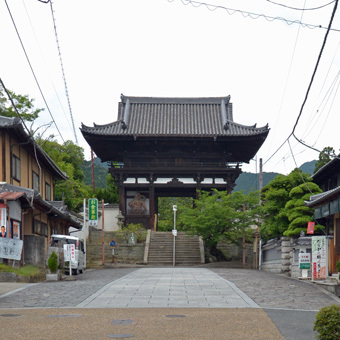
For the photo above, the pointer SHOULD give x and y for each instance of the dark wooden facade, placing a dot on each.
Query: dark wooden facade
(172, 147)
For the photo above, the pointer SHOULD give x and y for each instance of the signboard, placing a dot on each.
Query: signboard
(132, 239)
(304, 260)
(310, 227)
(93, 212)
(3, 214)
(69, 252)
(319, 257)
(10, 248)
(174, 232)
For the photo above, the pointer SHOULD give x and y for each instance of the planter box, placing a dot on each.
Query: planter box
(53, 277)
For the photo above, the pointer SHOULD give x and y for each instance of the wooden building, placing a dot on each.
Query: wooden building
(327, 208)
(172, 147)
(27, 180)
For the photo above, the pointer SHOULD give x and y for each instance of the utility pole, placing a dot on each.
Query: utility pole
(92, 168)
(260, 188)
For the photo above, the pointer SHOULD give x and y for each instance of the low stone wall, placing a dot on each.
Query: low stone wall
(123, 251)
(234, 253)
(281, 256)
(34, 250)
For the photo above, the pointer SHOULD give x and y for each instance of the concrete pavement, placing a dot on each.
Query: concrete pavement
(164, 303)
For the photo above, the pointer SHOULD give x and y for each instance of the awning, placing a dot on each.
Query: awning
(11, 196)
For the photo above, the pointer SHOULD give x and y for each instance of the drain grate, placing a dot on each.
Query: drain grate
(65, 315)
(175, 316)
(9, 315)
(124, 322)
(120, 336)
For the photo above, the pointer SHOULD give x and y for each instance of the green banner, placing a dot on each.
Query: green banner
(93, 211)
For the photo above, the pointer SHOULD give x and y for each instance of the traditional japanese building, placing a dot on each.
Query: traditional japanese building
(172, 147)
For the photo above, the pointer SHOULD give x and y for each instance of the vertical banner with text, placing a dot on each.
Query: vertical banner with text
(319, 257)
(93, 212)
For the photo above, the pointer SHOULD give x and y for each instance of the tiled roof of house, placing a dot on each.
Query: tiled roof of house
(319, 199)
(176, 117)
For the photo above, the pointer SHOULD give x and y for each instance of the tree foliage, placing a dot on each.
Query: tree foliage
(297, 212)
(283, 211)
(220, 216)
(327, 154)
(23, 103)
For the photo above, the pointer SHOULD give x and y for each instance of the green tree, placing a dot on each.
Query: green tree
(23, 103)
(326, 155)
(297, 212)
(166, 213)
(68, 156)
(274, 197)
(110, 193)
(219, 216)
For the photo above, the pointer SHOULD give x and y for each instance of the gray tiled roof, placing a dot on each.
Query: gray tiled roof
(198, 117)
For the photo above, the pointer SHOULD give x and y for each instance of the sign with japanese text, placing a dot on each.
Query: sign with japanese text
(304, 260)
(319, 257)
(310, 227)
(10, 248)
(93, 212)
(69, 252)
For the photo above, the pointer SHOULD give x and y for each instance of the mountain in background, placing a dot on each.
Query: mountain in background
(246, 182)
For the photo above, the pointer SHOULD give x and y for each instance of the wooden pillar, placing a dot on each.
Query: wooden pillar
(151, 206)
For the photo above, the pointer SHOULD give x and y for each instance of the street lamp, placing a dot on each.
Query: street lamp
(174, 233)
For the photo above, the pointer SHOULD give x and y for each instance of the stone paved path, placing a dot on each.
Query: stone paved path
(169, 287)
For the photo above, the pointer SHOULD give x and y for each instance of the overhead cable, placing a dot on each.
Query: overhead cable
(30, 65)
(251, 15)
(300, 9)
(308, 89)
(63, 72)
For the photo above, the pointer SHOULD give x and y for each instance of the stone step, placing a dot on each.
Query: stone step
(161, 248)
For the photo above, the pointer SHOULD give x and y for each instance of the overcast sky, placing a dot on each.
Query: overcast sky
(159, 48)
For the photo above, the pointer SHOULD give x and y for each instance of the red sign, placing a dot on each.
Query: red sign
(310, 227)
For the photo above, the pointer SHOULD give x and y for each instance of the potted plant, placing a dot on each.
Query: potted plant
(52, 265)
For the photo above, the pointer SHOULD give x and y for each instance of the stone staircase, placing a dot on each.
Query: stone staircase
(188, 249)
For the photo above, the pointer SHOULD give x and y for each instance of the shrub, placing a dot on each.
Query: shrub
(137, 229)
(52, 262)
(327, 323)
(338, 266)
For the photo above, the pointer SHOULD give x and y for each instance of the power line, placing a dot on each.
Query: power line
(36, 80)
(251, 15)
(300, 9)
(309, 87)
(42, 55)
(63, 72)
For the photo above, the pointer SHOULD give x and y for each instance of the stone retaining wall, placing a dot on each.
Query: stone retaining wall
(123, 251)
(281, 256)
(234, 253)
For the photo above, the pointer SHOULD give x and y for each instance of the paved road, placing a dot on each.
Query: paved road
(187, 303)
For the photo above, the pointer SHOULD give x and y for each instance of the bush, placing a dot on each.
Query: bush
(137, 229)
(338, 266)
(52, 262)
(327, 323)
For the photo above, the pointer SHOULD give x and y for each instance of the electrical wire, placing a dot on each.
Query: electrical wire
(63, 72)
(300, 9)
(251, 15)
(42, 55)
(308, 89)
(24, 124)
(30, 65)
